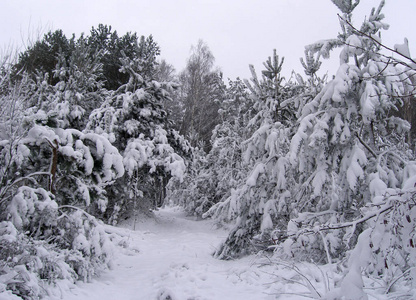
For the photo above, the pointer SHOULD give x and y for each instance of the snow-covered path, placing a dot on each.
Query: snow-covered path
(173, 261)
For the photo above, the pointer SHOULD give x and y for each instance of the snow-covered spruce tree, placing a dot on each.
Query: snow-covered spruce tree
(134, 120)
(260, 200)
(352, 162)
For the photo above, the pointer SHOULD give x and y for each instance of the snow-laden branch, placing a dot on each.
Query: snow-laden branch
(90, 217)
(366, 146)
(326, 227)
(384, 208)
(379, 43)
(28, 177)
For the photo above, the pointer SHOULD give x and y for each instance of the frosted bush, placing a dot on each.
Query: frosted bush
(49, 245)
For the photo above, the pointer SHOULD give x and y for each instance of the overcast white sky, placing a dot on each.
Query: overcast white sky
(238, 32)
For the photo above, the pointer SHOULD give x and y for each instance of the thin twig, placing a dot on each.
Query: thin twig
(309, 283)
(395, 280)
(366, 146)
(328, 256)
(293, 294)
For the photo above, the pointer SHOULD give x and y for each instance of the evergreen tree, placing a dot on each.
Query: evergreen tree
(115, 47)
(354, 171)
(165, 72)
(260, 200)
(47, 175)
(78, 90)
(56, 179)
(134, 119)
(55, 48)
(346, 128)
(42, 56)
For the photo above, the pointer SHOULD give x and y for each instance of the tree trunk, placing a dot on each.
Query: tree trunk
(54, 167)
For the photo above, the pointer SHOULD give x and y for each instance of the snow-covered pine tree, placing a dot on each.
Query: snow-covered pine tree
(42, 56)
(53, 177)
(47, 173)
(80, 165)
(135, 121)
(79, 89)
(353, 167)
(260, 200)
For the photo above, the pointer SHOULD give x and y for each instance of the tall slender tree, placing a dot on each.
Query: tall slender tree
(201, 90)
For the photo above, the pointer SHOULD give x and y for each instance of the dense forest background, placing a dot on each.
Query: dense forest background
(97, 129)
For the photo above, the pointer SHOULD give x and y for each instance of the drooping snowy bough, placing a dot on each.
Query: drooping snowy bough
(354, 171)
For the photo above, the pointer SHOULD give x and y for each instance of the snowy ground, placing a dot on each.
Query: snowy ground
(169, 258)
